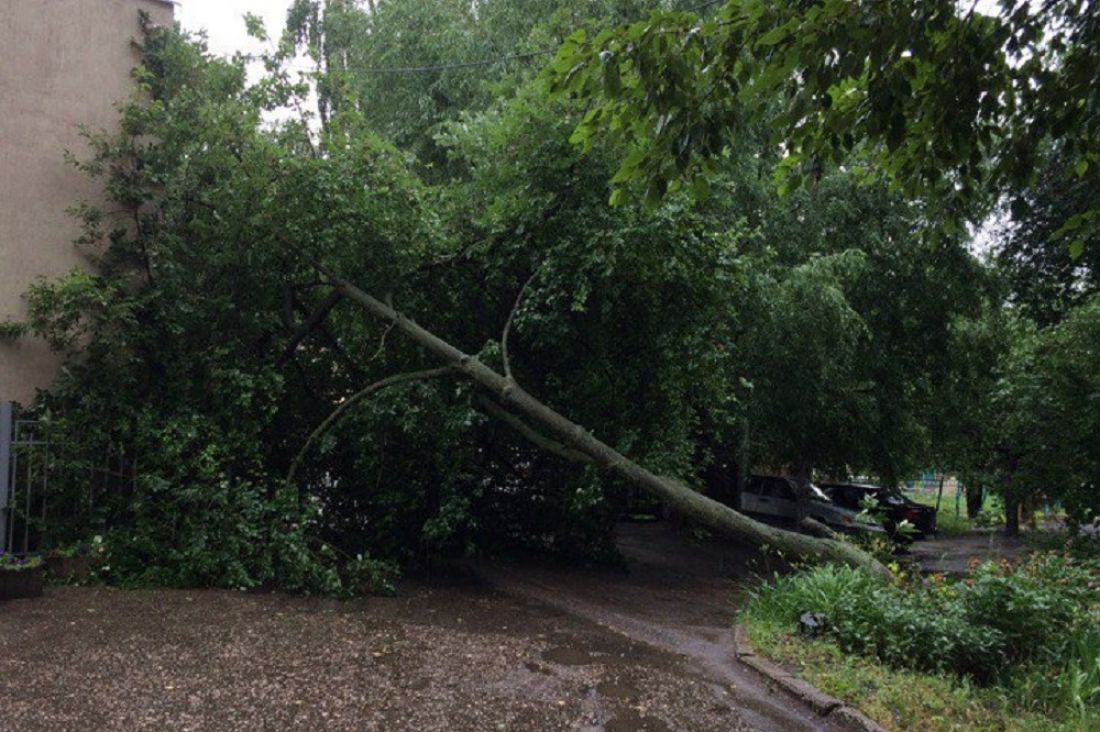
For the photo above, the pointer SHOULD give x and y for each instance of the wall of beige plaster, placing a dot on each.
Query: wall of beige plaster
(62, 63)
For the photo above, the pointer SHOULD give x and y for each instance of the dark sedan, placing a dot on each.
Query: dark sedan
(895, 506)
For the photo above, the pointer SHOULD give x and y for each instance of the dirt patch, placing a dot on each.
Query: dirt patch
(452, 658)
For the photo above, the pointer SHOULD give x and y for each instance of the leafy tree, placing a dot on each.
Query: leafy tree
(942, 101)
(864, 391)
(1044, 278)
(1017, 412)
(1049, 424)
(223, 302)
(963, 419)
(179, 331)
(410, 65)
(260, 299)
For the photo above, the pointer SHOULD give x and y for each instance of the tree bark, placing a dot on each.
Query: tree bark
(311, 322)
(1012, 516)
(974, 499)
(542, 419)
(533, 436)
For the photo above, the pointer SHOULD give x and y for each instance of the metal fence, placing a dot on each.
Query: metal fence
(75, 477)
(24, 476)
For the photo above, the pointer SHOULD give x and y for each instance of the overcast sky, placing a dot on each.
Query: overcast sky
(223, 21)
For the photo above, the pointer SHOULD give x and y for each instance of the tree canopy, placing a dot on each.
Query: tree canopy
(410, 327)
(944, 102)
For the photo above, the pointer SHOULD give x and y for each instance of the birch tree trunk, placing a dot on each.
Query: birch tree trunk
(554, 428)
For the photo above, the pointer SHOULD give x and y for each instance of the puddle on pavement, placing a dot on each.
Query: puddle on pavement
(568, 656)
(617, 690)
(631, 721)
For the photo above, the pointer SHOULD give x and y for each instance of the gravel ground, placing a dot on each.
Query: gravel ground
(434, 658)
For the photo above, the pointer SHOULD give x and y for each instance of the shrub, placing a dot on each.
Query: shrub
(998, 618)
(1038, 608)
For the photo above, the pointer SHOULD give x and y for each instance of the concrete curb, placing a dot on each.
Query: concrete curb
(822, 703)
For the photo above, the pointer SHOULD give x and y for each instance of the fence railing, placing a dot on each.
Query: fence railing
(74, 480)
(24, 476)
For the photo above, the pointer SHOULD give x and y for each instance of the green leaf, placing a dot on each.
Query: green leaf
(774, 36)
(700, 188)
(612, 82)
(1076, 249)
(581, 135)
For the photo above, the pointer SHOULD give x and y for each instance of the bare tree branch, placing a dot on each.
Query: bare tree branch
(352, 401)
(381, 343)
(307, 326)
(508, 325)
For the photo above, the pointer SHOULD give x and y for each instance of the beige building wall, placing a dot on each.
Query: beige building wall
(62, 63)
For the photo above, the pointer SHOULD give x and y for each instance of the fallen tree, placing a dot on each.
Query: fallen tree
(220, 364)
(506, 400)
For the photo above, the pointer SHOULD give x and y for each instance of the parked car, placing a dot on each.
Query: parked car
(896, 506)
(774, 497)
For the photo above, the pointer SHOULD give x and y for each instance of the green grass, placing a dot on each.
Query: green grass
(910, 653)
(900, 699)
(947, 523)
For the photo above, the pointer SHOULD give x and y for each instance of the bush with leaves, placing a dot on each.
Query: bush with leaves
(997, 622)
(210, 349)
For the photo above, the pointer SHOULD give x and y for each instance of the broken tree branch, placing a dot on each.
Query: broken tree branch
(312, 321)
(541, 418)
(352, 401)
(508, 325)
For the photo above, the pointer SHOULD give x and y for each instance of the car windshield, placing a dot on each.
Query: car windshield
(816, 494)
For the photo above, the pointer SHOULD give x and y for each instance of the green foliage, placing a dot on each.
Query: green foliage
(1084, 545)
(177, 375)
(18, 563)
(410, 66)
(1050, 424)
(12, 329)
(186, 325)
(1045, 279)
(999, 625)
(1018, 411)
(845, 335)
(936, 98)
(906, 699)
(814, 328)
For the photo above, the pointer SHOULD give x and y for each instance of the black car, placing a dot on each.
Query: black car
(896, 507)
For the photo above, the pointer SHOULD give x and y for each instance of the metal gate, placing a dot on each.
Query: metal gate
(24, 475)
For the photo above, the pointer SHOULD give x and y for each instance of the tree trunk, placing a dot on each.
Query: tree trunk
(974, 499)
(1012, 516)
(542, 419)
